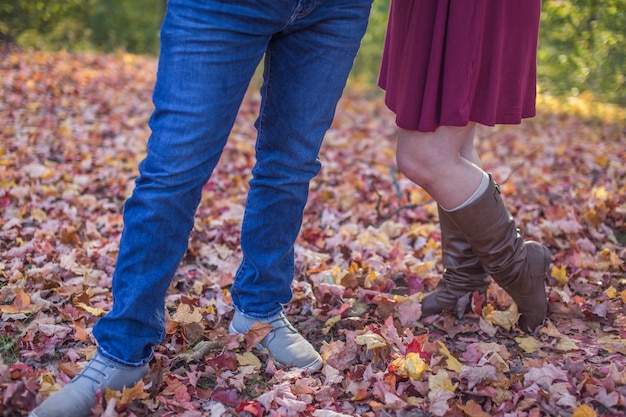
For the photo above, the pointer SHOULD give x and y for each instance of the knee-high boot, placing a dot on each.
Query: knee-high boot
(519, 267)
(463, 273)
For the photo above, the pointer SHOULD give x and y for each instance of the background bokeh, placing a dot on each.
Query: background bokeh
(582, 49)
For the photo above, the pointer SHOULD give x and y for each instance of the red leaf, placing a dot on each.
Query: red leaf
(228, 396)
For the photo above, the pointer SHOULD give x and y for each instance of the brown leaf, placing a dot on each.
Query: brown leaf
(257, 333)
(70, 369)
(472, 409)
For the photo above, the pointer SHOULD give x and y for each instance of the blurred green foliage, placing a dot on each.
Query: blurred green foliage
(582, 48)
(582, 45)
(102, 25)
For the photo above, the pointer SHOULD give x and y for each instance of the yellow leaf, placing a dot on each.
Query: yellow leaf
(415, 366)
(584, 411)
(38, 215)
(330, 323)
(94, 311)
(110, 394)
(566, 344)
(609, 258)
(371, 341)
(441, 381)
(600, 193)
(611, 292)
(528, 344)
(208, 309)
(560, 274)
(505, 319)
(48, 385)
(412, 366)
(185, 314)
(249, 359)
(134, 393)
(612, 344)
(452, 363)
(624, 296)
(602, 160)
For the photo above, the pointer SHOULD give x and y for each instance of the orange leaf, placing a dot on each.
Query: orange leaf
(257, 332)
(70, 369)
(363, 394)
(80, 333)
(134, 393)
(21, 304)
(472, 409)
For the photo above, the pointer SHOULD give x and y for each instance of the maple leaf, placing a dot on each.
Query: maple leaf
(477, 374)
(472, 409)
(545, 376)
(252, 407)
(257, 333)
(412, 366)
(560, 274)
(228, 396)
(135, 392)
(584, 410)
(529, 344)
(409, 310)
(505, 319)
(249, 359)
(452, 363)
(567, 344)
(70, 369)
(185, 314)
(372, 341)
(21, 304)
(439, 399)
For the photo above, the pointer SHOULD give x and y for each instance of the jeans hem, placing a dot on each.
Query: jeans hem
(259, 316)
(122, 362)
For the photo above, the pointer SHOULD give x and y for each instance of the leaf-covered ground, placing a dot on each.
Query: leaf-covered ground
(72, 129)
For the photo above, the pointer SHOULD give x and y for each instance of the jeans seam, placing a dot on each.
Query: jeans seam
(265, 94)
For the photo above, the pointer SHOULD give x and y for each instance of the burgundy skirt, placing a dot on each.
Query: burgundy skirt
(448, 62)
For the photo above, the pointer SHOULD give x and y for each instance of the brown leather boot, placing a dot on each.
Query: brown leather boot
(518, 267)
(463, 273)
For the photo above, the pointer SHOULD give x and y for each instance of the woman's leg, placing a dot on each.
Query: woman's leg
(463, 272)
(433, 160)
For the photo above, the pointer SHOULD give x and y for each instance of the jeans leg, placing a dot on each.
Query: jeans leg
(306, 67)
(208, 56)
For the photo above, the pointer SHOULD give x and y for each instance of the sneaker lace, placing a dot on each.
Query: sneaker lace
(92, 366)
(284, 323)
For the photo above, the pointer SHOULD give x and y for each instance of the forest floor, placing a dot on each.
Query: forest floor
(73, 127)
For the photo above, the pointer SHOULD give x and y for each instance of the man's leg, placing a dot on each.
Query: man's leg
(208, 58)
(209, 52)
(306, 67)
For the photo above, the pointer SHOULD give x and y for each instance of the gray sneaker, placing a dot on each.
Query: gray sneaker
(78, 397)
(284, 343)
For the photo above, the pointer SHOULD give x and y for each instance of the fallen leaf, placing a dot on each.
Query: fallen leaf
(584, 411)
(529, 344)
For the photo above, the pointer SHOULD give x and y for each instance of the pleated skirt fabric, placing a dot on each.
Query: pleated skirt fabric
(449, 62)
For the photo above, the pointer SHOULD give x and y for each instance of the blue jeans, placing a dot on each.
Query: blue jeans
(209, 52)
